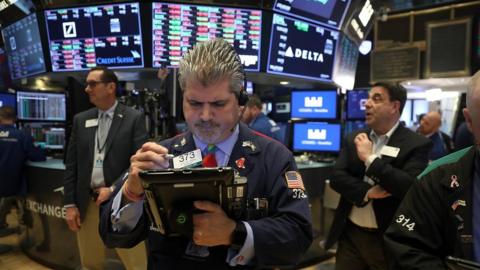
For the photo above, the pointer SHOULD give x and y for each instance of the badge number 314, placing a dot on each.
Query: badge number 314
(405, 222)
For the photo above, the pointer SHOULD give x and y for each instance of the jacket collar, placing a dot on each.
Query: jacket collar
(458, 184)
(245, 147)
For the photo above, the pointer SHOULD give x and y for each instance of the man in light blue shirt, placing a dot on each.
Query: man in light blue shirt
(277, 233)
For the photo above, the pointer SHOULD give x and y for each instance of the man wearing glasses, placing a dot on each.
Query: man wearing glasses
(101, 143)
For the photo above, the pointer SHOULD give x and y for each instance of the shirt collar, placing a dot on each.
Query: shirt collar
(110, 111)
(386, 135)
(226, 146)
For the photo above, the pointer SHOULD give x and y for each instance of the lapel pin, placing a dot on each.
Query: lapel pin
(240, 163)
(183, 141)
(454, 182)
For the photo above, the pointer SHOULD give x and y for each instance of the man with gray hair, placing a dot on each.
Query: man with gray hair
(276, 233)
(440, 215)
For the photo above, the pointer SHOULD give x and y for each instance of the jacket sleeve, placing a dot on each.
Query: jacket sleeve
(284, 236)
(351, 187)
(33, 153)
(113, 239)
(70, 176)
(397, 181)
(415, 236)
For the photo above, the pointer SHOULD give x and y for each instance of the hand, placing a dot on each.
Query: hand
(212, 228)
(377, 192)
(103, 195)
(364, 146)
(149, 157)
(73, 219)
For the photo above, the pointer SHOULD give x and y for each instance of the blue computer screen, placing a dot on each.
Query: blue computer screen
(356, 100)
(301, 49)
(7, 99)
(326, 12)
(354, 125)
(178, 27)
(23, 48)
(314, 136)
(41, 106)
(314, 104)
(85, 37)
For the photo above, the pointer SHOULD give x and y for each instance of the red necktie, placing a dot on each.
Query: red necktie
(209, 159)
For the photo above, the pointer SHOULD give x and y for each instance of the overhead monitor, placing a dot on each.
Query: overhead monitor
(41, 106)
(301, 49)
(356, 100)
(23, 48)
(317, 137)
(178, 27)
(361, 20)
(7, 99)
(320, 104)
(326, 12)
(345, 66)
(354, 125)
(105, 35)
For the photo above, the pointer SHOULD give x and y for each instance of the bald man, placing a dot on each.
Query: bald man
(430, 128)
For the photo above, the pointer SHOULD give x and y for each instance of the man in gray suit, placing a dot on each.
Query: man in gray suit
(101, 143)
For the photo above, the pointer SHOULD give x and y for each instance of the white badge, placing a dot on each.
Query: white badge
(98, 157)
(390, 151)
(91, 123)
(189, 159)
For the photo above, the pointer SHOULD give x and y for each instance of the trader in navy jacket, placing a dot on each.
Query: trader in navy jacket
(212, 78)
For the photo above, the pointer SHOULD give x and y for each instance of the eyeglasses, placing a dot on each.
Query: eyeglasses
(92, 84)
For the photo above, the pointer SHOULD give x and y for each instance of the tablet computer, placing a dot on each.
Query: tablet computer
(170, 194)
(454, 263)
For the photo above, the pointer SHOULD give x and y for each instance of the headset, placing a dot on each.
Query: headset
(242, 97)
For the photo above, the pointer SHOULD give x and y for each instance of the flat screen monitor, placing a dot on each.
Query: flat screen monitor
(46, 135)
(326, 12)
(7, 99)
(316, 136)
(356, 100)
(23, 48)
(318, 104)
(301, 49)
(41, 106)
(178, 27)
(351, 126)
(345, 65)
(361, 20)
(85, 37)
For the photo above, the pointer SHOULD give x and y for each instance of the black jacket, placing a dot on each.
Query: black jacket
(394, 174)
(126, 135)
(281, 238)
(434, 228)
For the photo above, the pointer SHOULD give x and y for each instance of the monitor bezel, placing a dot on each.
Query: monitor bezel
(299, 151)
(337, 105)
(141, 25)
(45, 92)
(262, 21)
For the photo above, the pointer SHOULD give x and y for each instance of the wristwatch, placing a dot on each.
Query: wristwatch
(238, 236)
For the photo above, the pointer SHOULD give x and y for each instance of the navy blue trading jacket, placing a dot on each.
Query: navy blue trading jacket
(279, 239)
(16, 147)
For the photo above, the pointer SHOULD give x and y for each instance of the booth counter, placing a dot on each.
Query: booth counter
(48, 240)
